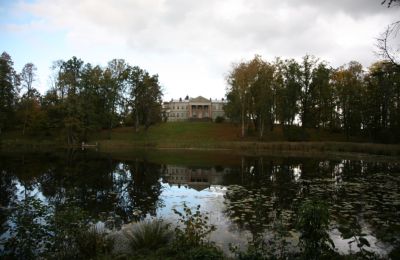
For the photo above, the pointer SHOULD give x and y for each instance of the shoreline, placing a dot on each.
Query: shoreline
(247, 148)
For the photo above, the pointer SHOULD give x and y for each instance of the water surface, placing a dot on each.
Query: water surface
(244, 196)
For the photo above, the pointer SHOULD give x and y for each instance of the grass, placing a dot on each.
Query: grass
(212, 136)
(226, 136)
(149, 235)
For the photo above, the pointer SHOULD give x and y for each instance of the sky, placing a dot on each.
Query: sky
(191, 44)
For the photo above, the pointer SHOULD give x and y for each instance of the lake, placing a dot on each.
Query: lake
(43, 194)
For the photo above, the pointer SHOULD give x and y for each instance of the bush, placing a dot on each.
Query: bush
(313, 221)
(195, 228)
(94, 243)
(149, 235)
(219, 119)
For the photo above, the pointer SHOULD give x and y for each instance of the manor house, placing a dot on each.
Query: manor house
(198, 108)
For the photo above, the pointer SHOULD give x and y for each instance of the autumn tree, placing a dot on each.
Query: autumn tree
(348, 84)
(240, 79)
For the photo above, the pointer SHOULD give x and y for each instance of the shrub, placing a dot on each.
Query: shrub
(94, 243)
(219, 119)
(313, 221)
(195, 228)
(149, 235)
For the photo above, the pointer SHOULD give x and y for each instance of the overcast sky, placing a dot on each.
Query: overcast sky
(191, 44)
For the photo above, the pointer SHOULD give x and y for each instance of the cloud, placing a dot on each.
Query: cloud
(191, 44)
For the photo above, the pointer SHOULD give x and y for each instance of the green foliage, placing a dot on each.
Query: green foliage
(149, 235)
(219, 119)
(312, 223)
(195, 228)
(203, 252)
(9, 81)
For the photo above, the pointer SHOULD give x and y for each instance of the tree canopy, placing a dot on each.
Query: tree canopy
(312, 94)
(83, 99)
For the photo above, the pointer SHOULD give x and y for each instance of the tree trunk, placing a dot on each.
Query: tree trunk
(243, 122)
(261, 128)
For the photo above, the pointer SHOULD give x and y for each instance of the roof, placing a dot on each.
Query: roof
(200, 99)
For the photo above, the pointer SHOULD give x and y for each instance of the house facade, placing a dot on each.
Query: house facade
(198, 108)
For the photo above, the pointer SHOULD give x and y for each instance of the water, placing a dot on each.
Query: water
(45, 195)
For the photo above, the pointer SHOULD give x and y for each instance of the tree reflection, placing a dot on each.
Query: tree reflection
(138, 187)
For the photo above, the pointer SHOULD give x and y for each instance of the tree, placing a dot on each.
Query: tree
(145, 97)
(240, 80)
(307, 88)
(348, 83)
(290, 91)
(382, 99)
(390, 2)
(322, 96)
(116, 80)
(389, 42)
(263, 92)
(9, 81)
(27, 79)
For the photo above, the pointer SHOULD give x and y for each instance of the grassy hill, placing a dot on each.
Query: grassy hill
(208, 135)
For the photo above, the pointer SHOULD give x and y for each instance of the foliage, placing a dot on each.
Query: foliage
(93, 243)
(9, 82)
(149, 235)
(195, 229)
(313, 221)
(219, 119)
(262, 94)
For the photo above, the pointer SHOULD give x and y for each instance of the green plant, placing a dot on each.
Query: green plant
(219, 119)
(149, 235)
(204, 252)
(195, 228)
(313, 221)
(94, 243)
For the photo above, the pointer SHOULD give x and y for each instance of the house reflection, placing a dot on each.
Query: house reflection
(195, 178)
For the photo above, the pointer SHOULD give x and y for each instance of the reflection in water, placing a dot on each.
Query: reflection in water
(259, 196)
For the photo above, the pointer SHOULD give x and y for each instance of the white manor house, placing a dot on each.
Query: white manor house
(198, 108)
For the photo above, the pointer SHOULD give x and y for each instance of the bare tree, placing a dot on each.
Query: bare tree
(390, 2)
(389, 42)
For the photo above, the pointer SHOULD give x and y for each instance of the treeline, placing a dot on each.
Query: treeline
(82, 99)
(312, 94)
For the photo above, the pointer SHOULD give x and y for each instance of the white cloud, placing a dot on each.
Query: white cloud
(191, 44)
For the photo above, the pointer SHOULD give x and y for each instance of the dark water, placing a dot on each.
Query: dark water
(45, 196)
